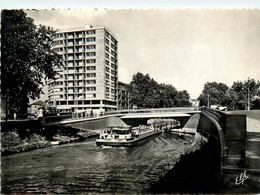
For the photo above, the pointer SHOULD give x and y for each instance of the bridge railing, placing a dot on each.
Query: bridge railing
(217, 115)
(151, 110)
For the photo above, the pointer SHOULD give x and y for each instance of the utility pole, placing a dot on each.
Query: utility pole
(248, 100)
(6, 105)
(128, 100)
(208, 101)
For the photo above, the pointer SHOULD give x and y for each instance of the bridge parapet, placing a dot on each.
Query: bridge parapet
(218, 116)
(234, 130)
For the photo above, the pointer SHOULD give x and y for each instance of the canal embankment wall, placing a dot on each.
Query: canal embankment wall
(24, 135)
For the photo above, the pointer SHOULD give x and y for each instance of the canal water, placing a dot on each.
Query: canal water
(85, 168)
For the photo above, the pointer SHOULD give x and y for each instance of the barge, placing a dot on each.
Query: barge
(126, 135)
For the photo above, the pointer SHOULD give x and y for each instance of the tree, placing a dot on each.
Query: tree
(147, 93)
(183, 99)
(242, 92)
(138, 89)
(215, 93)
(27, 59)
(168, 96)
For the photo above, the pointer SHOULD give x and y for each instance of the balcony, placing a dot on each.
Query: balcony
(69, 58)
(79, 58)
(70, 51)
(79, 50)
(69, 44)
(70, 65)
(79, 43)
(78, 36)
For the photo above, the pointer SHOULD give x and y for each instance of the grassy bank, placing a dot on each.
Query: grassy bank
(24, 139)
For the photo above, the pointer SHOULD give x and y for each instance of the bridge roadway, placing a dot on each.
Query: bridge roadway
(127, 116)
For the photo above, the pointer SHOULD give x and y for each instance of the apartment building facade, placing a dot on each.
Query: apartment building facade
(89, 78)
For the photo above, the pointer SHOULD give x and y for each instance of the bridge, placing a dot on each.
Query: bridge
(227, 131)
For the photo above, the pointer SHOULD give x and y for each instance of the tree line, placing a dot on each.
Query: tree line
(27, 59)
(145, 92)
(237, 97)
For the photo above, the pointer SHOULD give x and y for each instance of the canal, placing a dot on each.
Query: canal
(85, 168)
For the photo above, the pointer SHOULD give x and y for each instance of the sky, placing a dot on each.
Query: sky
(182, 47)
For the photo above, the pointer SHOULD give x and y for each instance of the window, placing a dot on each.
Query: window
(107, 34)
(79, 34)
(107, 55)
(91, 75)
(91, 68)
(91, 61)
(96, 102)
(113, 53)
(91, 54)
(107, 62)
(107, 76)
(91, 46)
(107, 69)
(91, 39)
(107, 89)
(107, 41)
(91, 88)
(91, 81)
(107, 48)
(112, 39)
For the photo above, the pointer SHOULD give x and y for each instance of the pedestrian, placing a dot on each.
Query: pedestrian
(15, 116)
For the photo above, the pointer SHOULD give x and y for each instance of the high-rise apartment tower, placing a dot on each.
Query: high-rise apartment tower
(89, 78)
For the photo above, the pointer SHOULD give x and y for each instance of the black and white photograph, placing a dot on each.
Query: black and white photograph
(130, 101)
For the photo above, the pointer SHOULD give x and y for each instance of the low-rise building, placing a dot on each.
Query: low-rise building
(123, 96)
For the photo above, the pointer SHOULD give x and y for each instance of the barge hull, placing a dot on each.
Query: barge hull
(101, 142)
